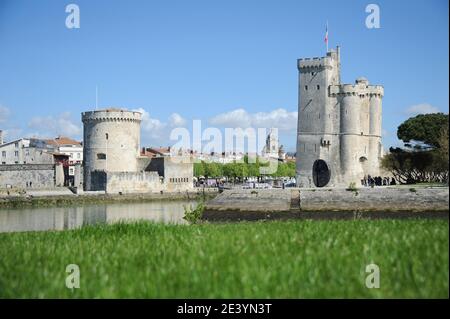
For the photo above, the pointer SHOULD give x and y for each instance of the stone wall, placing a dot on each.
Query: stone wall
(384, 199)
(133, 182)
(97, 180)
(40, 175)
(376, 199)
(177, 172)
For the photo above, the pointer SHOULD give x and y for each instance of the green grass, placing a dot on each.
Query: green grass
(282, 259)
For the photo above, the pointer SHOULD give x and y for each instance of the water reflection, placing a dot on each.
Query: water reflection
(60, 218)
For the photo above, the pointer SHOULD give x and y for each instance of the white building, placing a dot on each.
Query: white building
(67, 146)
(24, 151)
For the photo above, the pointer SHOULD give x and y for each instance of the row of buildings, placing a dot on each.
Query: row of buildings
(110, 159)
(272, 150)
(21, 153)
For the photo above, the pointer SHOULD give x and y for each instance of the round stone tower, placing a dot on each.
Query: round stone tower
(350, 129)
(375, 145)
(111, 144)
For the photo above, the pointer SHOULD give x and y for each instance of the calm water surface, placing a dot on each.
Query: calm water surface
(60, 218)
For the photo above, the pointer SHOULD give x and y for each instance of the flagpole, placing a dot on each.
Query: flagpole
(327, 36)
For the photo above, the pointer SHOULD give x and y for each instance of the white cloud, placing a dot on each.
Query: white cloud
(151, 126)
(423, 108)
(50, 126)
(278, 118)
(176, 120)
(157, 132)
(4, 114)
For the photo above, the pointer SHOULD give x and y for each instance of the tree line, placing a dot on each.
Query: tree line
(425, 155)
(241, 170)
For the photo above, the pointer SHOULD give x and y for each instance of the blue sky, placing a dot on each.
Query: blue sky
(196, 59)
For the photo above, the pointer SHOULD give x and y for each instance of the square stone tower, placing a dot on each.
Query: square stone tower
(339, 125)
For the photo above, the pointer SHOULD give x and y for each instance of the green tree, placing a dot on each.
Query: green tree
(199, 169)
(213, 170)
(423, 131)
(228, 170)
(425, 156)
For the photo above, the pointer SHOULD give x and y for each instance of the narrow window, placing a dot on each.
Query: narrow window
(306, 88)
(318, 87)
(101, 156)
(107, 135)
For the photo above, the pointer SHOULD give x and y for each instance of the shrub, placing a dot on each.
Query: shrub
(194, 215)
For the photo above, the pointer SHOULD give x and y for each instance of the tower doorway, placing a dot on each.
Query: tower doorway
(321, 173)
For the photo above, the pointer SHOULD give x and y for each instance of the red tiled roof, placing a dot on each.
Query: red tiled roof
(154, 151)
(61, 140)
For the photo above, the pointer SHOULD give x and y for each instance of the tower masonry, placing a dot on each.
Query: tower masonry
(111, 142)
(339, 125)
(113, 161)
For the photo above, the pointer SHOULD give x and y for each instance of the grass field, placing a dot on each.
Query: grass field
(282, 259)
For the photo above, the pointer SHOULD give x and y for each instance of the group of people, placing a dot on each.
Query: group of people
(370, 181)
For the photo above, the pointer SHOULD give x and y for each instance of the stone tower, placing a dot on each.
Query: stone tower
(111, 143)
(339, 125)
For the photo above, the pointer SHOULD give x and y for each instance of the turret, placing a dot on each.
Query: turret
(111, 142)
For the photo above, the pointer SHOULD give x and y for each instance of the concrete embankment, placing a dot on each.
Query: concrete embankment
(49, 199)
(387, 202)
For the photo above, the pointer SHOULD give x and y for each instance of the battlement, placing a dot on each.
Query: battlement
(308, 64)
(356, 90)
(111, 115)
(318, 63)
